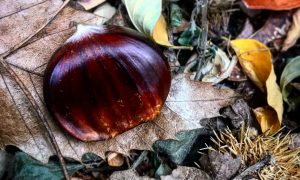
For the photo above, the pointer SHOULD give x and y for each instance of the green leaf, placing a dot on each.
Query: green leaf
(163, 170)
(146, 17)
(191, 34)
(176, 15)
(178, 150)
(290, 72)
(144, 14)
(6, 161)
(25, 167)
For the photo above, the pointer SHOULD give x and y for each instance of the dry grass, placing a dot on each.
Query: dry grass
(253, 148)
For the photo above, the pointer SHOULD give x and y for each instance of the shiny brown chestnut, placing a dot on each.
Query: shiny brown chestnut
(104, 81)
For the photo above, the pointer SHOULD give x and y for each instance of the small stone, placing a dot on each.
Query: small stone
(115, 159)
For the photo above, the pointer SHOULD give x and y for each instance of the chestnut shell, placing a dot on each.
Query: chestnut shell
(104, 81)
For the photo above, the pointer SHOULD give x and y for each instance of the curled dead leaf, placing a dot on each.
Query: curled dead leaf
(265, 117)
(89, 4)
(274, 30)
(105, 11)
(255, 59)
(183, 172)
(294, 32)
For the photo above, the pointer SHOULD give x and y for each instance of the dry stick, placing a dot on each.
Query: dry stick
(171, 38)
(29, 96)
(203, 39)
(40, 115)
(268, 159)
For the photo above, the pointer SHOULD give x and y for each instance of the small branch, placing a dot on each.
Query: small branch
(27, 92)
(268, 159)
(22, 43)
(202, 5)
(39, 113)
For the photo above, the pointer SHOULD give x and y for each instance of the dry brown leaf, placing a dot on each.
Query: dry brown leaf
(18, 20)
(186, 173)
(128, 174)
(89, 4)
(247, 31)
(187, 103)
(274, 30)
(294, 32)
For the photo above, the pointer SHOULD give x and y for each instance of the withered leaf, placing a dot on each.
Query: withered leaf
(20, 19)
(275, 28)
(224, 166)
(239, 114)
(89, 4)
(188, 101)
(295, 141)
(294, 32)
(128, 174)
(186, 173)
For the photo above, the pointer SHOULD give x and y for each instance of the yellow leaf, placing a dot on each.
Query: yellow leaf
(147, 19)
(293, 33)
(160, 34)
(256, 61)
(265, 117)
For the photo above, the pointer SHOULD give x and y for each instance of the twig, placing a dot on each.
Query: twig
(202, 5)
(22, 43)
(170, 52)
(28, 94)
(40, 115)
(268, 159)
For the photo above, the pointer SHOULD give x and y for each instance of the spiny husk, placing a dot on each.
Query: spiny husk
(254, 148)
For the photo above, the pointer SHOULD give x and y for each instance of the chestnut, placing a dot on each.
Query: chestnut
(105, 80)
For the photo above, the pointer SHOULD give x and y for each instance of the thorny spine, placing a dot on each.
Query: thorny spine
(27, 93)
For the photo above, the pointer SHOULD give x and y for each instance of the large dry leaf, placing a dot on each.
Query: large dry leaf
(18, 20)
(256, 61)
(180, 173)
(187, 103)
(294, 32)
(186, 173)
(274, 29)
(90, 4)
